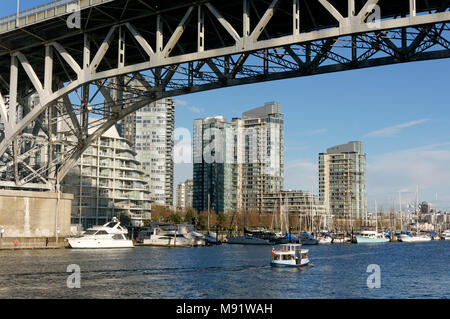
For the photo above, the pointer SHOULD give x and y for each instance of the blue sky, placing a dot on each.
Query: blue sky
(400, 112)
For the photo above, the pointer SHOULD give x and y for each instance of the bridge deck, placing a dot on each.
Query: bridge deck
(45, 12)
(176, 47)
(46, 24)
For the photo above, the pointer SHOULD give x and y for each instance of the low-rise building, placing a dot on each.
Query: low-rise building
(107, 182)
(296, 202)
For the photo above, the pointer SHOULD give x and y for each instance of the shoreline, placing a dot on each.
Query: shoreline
(32, 248)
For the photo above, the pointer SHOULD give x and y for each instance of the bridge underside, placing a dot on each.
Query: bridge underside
(53, 79)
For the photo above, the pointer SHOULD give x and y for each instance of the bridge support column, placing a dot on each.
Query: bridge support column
(30, 217)
(412, 8)
(296, 17)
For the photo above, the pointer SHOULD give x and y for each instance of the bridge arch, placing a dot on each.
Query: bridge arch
(183, 60)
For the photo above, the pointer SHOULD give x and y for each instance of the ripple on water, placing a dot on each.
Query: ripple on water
(229, 271)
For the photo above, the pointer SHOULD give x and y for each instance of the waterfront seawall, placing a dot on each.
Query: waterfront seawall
(29, 218)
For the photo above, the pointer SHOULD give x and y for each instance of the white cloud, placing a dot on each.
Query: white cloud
(184, 104)
(387, 174)
(316, 132)
(180, 103)
(394, 130)
(301, 174)
(195, 109)
(427, 166)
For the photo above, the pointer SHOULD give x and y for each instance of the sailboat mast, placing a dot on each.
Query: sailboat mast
(273, 214)
(286, 213)
(310, 211)
(417, 210)
(209, 201)
(400, 209)
(281, 214)
(376, 217)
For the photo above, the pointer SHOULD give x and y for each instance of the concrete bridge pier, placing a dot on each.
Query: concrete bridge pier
(28, 219)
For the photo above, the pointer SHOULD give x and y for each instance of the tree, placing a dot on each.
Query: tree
(160, 213)
(175, 218)
(221, 219)
(125, 219)
(189, 217)
(147, 223)
(201, 221)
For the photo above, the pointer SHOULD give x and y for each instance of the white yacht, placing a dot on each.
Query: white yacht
(110, 235)
(211, 238)
(325, 240)
(408, 238)
(370, 236)
(188, 231)
(247, 239)
(306, 239)
(420, 238)
(341, 238)
(166, 236)
(404, 237)
(325, 237)
(446, 235)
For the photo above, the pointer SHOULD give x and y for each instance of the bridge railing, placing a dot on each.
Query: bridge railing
(46, 11)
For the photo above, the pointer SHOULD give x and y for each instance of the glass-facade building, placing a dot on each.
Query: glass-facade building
(213, 170)
(342, 180)
(237, 162)
(263, 169)
(151, 132)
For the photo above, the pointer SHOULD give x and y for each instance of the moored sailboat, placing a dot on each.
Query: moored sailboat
(370, 236)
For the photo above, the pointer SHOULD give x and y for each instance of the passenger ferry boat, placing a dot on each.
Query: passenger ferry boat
(290, 255)
(110, 235)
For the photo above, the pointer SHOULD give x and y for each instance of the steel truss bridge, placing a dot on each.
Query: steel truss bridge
(176, 47)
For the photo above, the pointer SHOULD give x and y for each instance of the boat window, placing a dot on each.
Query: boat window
(276, 257)
(102, 232)
(89, 232)
(111, 224)
(117, 237)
